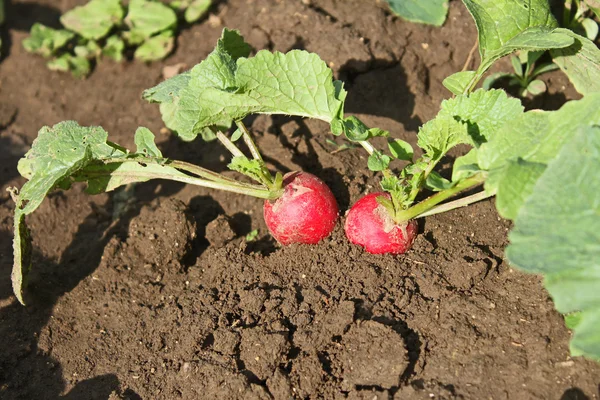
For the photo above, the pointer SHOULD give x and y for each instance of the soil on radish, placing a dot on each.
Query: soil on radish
(138, 295)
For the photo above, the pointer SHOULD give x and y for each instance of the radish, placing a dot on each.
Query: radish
(369, 224)
(306, 212)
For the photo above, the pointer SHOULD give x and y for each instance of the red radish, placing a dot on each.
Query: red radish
(306, 212)
(370, 225)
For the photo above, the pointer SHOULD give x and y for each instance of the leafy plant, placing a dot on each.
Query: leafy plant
(526, 72)
(432, 12)
(104, 28)
(540, 165)
(579, 17)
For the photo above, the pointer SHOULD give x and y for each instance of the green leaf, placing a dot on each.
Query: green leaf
(505, 26)
(196, 10)
(556, 234)
(465, 166)
(355, 130)
(436, 182)
(59, 155)
(55, 155)
(90, 50)
(378, 161)
(144, 141)
(147, 18)
(517, 66)
(401, 150)
(586, 339)
(537, 136)
(114, 48)
(95, 19)
(591, 28)
(580, 62)
(79, 66)
(236, 135)
(536, 87)
(515, 184)
(458, 82)
(440, 134)
(46, 41)
(249, 167)
(432, 12)
(227, 87)
(252, 235)
(484, 112)
(156, 48)
(572, 319)
(179, 103)
(59, 64)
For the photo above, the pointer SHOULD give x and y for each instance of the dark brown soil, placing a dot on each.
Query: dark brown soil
(137, 295)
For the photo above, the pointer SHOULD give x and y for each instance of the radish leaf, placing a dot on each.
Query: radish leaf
(227, 87)
(580, 62)
(556, 234)
(484, 112)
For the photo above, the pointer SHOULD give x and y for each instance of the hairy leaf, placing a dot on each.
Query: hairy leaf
(439, 135)
(95, 19)
(378, 161)
(68, 152)
(227, 87)
(144, 141)
(508, 25)
(401, 150)
(458, 83)
(556, 234)
(484, 112)
(46, 41)
(431, 12)
(514, 185)
(580, 62)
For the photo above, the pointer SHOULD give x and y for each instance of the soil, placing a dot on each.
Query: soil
(136, 294)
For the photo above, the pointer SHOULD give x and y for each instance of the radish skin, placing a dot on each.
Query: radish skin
(370, 225)
(306, 212)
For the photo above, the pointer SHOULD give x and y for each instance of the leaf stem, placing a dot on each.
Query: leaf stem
(430, 202)
(235, 187)
(229, 145)
(248, 140)
(465, 201)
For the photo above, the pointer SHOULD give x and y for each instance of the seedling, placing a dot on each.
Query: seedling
(526, 72)
(105, 28)
(579, 15)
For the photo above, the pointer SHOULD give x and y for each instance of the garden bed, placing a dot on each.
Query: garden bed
(137, 294)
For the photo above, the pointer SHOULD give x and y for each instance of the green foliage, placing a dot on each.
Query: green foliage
(227, 86)
(459, 82)
(432, 12)
(580, 62)
(148, 18)
(69, 153)
(105, 28)
(95, 19)
(525, 73)
(46, 41)
(556, 234)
